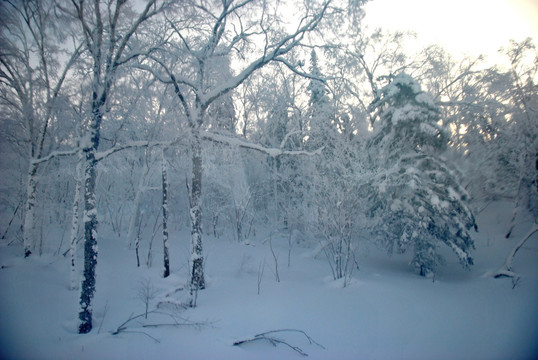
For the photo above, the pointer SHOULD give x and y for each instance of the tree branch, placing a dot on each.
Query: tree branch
(506, 269)
(134, 144)
(273, 152)
(274, 341)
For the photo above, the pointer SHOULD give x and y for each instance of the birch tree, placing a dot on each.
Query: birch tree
(250, 33)
(33, 73)
(108, 32)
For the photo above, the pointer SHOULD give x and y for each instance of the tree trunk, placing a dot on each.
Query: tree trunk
(165, 220)
(197, 259)
(90, 243)
(90, 215)
(29, 216)
(135, 215)
(75, 224)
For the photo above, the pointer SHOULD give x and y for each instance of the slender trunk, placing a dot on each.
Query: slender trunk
(516, 209)
(90, 242)
(75, 224)
(165, 220)
(90, 216)
(135, 213)
(275, 192)
(197, 259)
(29, 216)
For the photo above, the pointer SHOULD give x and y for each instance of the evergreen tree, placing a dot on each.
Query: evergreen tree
(320, 112)
(415, 198)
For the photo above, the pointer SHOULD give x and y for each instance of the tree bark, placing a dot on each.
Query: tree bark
(75, 223)
(90, 214)
(165, 220)
(90, 242)
(29, 217)
(197, 259)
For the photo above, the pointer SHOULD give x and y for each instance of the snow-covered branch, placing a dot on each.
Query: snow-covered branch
(273, 152)
(506, 269)
(144, 15)
(106, 153)
(285, 45)
(134, 144)
(295, 69)
(53, 155)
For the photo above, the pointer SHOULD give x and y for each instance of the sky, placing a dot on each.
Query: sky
(463, 27)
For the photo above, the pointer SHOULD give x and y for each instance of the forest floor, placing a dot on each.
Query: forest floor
(385, 312)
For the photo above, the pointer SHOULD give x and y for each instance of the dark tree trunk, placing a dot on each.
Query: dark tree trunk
(165, 220)
(90, 244)
(90, 215)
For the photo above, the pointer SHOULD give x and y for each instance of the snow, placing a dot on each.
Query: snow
(453, 194)
(428, 129)
(385, 312)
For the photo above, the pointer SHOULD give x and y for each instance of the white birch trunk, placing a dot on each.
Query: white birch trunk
(29, 216)
(197, 259)
(75, 224)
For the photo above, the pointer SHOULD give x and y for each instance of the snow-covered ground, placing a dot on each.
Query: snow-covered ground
(386, 312)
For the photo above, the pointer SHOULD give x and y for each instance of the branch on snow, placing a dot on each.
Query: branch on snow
(275, 341)
(273, 152)
(506, 269)
(130, 324)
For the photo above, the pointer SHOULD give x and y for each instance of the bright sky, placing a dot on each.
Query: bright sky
(470, 27)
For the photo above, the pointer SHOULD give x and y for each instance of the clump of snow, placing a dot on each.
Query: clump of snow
(453, 194)
(428, 129)
(425, 98)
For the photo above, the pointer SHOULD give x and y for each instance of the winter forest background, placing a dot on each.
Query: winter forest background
(135, 133)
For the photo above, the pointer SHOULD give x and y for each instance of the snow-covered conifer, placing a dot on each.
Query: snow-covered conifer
(415, 198)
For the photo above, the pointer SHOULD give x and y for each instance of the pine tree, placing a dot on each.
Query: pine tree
(415, 198)
(320, 112)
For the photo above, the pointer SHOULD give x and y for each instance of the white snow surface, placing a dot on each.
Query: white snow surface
(386, 312)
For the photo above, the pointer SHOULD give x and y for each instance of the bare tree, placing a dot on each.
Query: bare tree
(208, 32)
(32, 78)
(108, 35)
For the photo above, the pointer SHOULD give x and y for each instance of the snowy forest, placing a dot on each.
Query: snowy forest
(245, 179)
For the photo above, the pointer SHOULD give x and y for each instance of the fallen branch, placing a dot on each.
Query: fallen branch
(143, 333)
(123, 326)
(275, 341)
(176, 322)
(506, 269)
